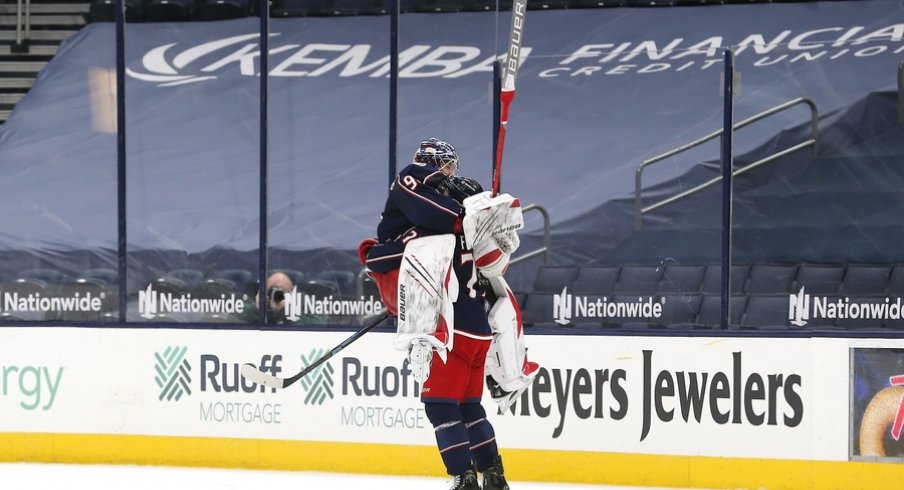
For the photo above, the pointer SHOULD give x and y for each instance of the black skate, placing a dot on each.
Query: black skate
(494, 476)
(465, 481)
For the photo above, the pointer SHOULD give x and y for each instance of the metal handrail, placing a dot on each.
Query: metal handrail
(639, 210)
(546, 231)
(362, 274)
(23, 25)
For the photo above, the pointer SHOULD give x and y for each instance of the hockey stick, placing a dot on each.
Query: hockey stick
(509, 73)
(251, 373)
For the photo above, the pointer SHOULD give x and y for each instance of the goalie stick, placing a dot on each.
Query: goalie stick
(507, 92)
(251, 373)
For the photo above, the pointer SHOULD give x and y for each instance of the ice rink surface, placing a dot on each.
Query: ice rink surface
(35, 476)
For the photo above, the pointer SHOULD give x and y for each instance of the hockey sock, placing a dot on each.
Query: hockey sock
(481, 434)
(451, 436)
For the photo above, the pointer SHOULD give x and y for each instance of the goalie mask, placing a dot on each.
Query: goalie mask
(438, 153)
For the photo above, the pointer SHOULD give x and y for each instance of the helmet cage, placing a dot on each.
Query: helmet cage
(437, 153)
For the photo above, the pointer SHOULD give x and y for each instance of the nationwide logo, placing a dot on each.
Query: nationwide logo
(566, 306)
(14, 301)
(803, 307)
(319, 383)
(153, 303)
(298, 303)
(173, 376)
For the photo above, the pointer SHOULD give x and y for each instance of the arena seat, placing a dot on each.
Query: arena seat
(595, 280)
(642, 279)
(865, 279)
(188, 277)
(770, 278)
(537, 310)
(169, 10)
(819, 278)
(681, 278)
(680, 310)
(223, 9)
(213, 288)
(239, 277)
(551, 279)
(712, 278)
(711, 310)
(766, 311)
(895, 284)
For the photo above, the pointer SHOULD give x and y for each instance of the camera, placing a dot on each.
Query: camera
(276, 295)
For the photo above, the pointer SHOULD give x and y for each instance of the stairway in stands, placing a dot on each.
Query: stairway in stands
(52, 21)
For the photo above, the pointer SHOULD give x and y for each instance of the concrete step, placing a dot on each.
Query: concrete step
(33, 50)
(21, 67)
(14, 83)
(39, 21)
(38, 35)
(48, 8)
(10, 99)
(4, 114)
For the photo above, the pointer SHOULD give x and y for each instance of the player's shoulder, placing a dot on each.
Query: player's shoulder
(423, 173)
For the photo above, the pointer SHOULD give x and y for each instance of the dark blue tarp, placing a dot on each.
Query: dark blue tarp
(599, 91)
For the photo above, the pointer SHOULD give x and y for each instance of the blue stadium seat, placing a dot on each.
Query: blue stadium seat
(711, 310)
(595, 280)
(360, 7)
(770, 278)
(239, 277)
(766, 311)
(213, 288)
(551, 279)
(895, 285)
(50, 277)
(108, 276)
(819, 278)
(641, 279)
(866, 279)
(712, 278)
(300, 8)
(537, 310)
(104, 11)
(223, 9)
(170, 285)
(488, 5)
(681, 278)
(680, 310)
(343, 280)
(169, 10)
(188, 277)
(318, 288)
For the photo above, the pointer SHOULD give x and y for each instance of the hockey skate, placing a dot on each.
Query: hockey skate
(465, 481)
(494, 476)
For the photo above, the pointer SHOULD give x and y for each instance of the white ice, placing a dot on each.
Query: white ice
(37, 476)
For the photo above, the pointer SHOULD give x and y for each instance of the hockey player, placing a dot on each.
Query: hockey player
(440, 306)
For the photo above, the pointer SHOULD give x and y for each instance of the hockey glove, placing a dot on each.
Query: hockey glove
(420, 357)
(507, 242)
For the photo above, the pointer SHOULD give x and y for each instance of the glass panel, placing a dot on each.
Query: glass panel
(328, 148)
(193, 152)
(58, 185)
(815, 211)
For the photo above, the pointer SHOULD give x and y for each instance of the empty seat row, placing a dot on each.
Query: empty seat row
(770, 278)
(183, 10)
(698, 310)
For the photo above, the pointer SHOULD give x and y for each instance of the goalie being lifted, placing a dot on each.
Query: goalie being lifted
(442, 247)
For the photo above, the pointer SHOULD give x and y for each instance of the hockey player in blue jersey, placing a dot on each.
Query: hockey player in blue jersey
(439, 303)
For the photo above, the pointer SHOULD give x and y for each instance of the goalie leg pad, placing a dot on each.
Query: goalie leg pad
(427, 287)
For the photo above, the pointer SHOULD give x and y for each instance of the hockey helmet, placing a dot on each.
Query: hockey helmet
(437, 153)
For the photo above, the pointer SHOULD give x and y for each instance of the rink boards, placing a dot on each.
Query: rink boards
(665, 411)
